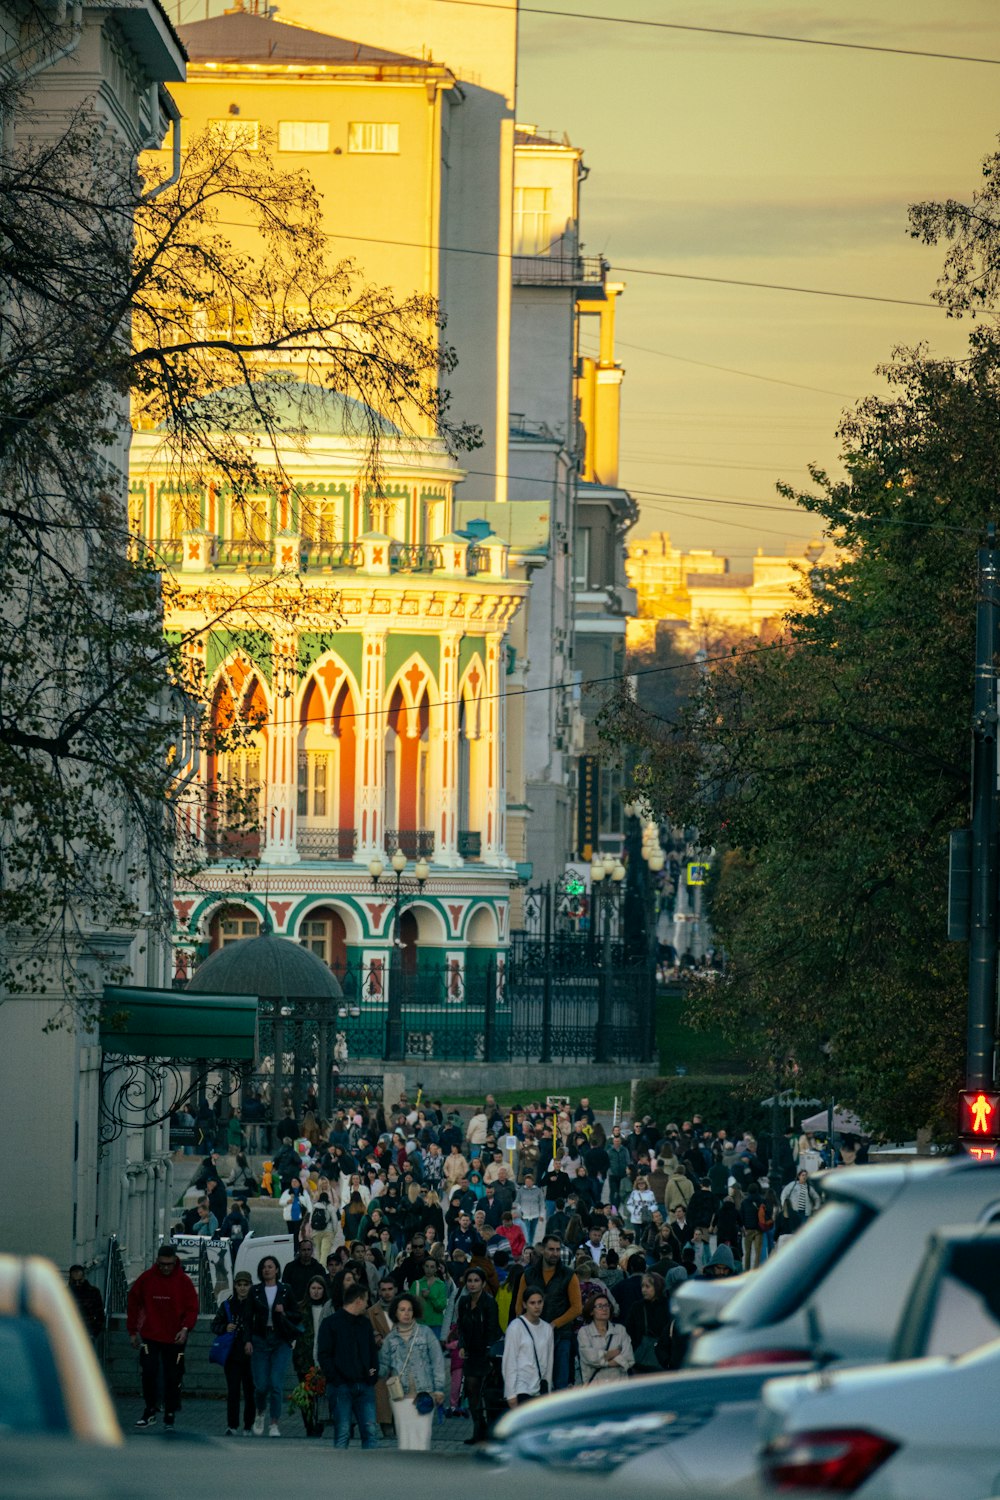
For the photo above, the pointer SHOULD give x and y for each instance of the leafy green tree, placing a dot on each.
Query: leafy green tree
(831, 765)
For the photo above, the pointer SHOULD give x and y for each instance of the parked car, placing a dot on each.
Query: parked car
(920, 1430)
(698, 1428)
(837, 1291)
(50, 1381)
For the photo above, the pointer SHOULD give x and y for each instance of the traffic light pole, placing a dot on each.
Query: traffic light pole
(982, 1009)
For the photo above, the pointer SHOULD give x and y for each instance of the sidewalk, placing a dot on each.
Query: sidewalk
(208, 1418)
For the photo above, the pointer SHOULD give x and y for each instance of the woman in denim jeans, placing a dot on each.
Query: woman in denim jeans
(412, 1352)
(276, 1326)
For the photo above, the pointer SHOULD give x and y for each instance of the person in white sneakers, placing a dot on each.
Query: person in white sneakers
(276, 1326)
(527, 1354)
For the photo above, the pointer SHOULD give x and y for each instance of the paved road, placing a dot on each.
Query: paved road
(205, 1418)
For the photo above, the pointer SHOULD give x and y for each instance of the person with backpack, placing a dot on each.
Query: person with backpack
(296, 1206)
(235, 1320)
(322, 1226)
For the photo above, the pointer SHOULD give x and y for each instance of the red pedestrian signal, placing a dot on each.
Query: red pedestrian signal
(979, 1115)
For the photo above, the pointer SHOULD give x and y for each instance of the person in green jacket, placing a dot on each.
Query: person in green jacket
(234, 1133)
(432, 1291)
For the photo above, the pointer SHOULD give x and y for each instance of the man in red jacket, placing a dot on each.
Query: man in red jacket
(162, 1310)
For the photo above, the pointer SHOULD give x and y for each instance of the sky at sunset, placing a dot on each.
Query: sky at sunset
(754, 160)
(760, 161)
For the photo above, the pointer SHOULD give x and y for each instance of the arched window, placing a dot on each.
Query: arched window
(231, 925)
(326, 774)
(323, 932)
(237, 764)
(409, 799)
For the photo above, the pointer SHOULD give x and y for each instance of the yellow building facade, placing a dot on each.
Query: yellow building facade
(698, 591)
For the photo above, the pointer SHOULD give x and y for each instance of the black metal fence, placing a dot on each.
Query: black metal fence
(539, 1002)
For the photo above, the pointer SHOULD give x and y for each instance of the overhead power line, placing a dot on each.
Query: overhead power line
(767, 286)
(757, 36)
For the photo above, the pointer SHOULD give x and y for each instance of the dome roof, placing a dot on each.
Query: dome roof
(270, 967)
(297, 406)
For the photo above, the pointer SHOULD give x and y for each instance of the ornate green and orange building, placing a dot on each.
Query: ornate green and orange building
(357, 647)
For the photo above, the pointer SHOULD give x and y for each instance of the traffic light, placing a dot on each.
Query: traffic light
(979, 1118)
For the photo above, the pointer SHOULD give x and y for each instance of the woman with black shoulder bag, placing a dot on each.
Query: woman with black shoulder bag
(276, 1326)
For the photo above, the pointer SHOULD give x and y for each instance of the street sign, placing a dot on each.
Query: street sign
(979, 1116)
(697, 873)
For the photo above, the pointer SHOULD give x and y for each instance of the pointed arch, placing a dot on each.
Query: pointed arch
(236, 766)
(327, 789)
(473, 758)
(409, 797)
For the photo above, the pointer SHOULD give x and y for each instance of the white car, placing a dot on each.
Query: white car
(922, 1430)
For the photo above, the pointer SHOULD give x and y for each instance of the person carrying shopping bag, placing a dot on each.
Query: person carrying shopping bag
(412, 1365)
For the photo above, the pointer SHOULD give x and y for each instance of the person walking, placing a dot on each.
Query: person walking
(161, 1311)
(605, 1347)
(378, 1317)
(562, 1303)
(648, 1326)
(432, 1292)
(800, 1197)
(528, 1353)
(412, 1365)
(316, 1306)
(477, 1324)
(350, 1362)
(296, 1206)
(235, 1317)
(89, 1302)
(276, 1326)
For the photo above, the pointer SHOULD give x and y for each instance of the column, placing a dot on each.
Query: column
(281, 789)
(491, 724)
(446, 757)
(370, 804)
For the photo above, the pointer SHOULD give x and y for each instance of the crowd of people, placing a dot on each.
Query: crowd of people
(447, 1267)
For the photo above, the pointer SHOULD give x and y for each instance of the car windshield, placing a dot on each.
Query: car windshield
(30, 1399)
(780, 1287)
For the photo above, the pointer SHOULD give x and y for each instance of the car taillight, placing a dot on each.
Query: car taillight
(766, 1357)
(835, 1461)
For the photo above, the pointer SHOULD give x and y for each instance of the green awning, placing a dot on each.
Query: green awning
(176, 1024)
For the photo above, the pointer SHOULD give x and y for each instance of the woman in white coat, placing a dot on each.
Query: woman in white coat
(605, 1348)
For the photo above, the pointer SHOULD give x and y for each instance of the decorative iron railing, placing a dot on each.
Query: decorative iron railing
(324, 844)
(233, 554)
(317, 555)
(477, 560)
(559, 270)
(404, 558)
(115, 1290)
(470, 843)
(416, 843)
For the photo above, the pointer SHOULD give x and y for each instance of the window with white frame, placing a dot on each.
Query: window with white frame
(235, 929)
(373, 138)
(243, 135)
(581, 558)
(532, 227)
(303, 135)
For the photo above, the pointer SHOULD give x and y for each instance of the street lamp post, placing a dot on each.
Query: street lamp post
(403, 889)
(613, 870)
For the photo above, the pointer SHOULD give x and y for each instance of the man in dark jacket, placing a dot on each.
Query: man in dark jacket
(218, 1198)
(299, 1272)
(89, 1301)
(162, 1310)
(349, 1360)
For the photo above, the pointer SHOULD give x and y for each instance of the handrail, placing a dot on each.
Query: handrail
(115, 1290)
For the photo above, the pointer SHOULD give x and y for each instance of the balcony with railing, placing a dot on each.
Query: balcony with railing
(324, 845)
(416, 843)
(244, 554)
(587, 273)
(404, 558)
(321, 556)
